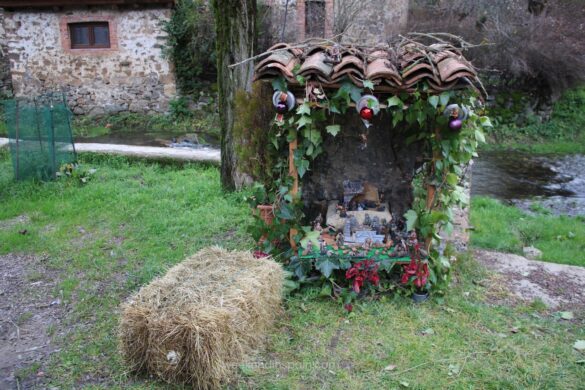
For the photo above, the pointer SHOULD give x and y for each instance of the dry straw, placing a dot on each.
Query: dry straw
(198, 322)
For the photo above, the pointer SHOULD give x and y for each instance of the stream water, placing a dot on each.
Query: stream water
(154, 139)
(556, 183)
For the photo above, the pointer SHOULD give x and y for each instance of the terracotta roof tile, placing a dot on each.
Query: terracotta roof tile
(441, 66)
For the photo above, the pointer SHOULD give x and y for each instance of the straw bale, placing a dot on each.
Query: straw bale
(197, 323)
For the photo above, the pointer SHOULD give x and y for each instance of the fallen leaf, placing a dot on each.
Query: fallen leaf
(567, 315)
(454, 369)
(390, 367)
(579, 345)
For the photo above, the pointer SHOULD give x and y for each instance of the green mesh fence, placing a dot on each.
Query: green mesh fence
(39, 131)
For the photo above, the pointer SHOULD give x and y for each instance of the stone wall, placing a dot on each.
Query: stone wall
(131, 75)
(5, 79)
(364, 22)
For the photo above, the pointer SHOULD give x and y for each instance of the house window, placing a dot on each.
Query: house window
(94, 35)
(315, 18)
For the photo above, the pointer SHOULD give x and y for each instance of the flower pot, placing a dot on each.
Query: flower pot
(266, 213)
(419, 297)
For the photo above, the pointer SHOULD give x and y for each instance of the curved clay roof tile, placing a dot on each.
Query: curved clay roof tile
(452, 68)
(316, 64)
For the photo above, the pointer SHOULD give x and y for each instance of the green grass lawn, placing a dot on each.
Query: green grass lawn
(564, 133)
(509, 229)
(132, 220)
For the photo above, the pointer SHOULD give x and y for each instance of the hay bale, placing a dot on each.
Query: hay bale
(198, 322)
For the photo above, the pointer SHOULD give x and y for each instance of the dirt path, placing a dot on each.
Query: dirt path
(31, 313)
(559, 286)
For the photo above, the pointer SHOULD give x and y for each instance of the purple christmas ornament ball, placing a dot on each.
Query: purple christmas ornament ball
(455, 124)
(281, 107)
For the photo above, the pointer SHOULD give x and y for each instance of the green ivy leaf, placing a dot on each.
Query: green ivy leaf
(303, 121)
(421, 117)
(434, 101)
(300, 267)
(284, 212)
(355, 93)
(395, 101)
(397, 118)
(479, 136)
(302, 167)
(304, 109)
(333, 107)
(452, 179)
(411, 219)
(368, 84)
(387, 264)
(326, 266)
(333, 129)
(485, 121)
(444, 98)
(300, 79)
(312, 135)
(279, 84)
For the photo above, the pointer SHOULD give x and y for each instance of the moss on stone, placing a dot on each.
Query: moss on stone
(252, 116)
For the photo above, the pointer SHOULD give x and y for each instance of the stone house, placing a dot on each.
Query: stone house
(105, 55)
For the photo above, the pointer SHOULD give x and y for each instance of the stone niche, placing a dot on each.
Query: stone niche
(387, 162)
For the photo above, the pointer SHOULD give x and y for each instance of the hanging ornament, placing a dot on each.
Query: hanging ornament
(457, 115)
(283, 102)
(368, 106)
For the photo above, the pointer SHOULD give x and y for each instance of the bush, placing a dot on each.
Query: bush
(191, 44)
(535, 39)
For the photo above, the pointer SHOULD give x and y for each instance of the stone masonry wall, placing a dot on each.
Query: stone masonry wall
(5, 79)
(131, 75)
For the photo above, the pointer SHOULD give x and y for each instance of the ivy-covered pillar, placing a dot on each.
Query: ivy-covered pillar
(235, 24)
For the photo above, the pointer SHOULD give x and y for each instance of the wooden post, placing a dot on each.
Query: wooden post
(293, 172)
(431, 189)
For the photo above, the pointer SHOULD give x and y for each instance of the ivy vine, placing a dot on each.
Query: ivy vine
(439, 178)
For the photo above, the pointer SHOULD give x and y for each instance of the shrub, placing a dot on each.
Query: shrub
(536, 39)
(191, 44)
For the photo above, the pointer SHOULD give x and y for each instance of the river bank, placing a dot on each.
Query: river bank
(564, 133)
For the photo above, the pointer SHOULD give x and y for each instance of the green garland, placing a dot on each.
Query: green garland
(420, 111)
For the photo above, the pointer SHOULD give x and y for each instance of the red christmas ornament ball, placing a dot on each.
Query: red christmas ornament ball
(367, 113)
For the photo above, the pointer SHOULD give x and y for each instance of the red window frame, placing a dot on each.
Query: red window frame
(90, 26)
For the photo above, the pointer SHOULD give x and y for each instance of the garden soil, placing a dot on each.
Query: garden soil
(31, 314)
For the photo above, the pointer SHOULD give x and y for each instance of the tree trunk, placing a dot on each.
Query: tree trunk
(235, 24)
